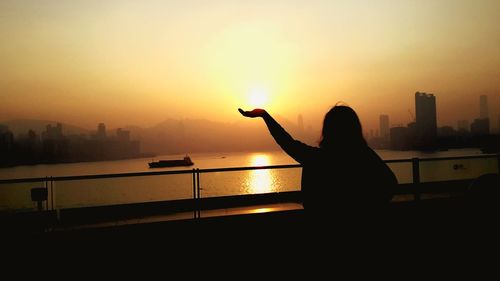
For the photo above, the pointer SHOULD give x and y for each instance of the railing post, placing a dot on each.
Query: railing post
(194, 194)
(194, 183)
(52, 194)
(416, 177)
(198, 189)
(47, 188)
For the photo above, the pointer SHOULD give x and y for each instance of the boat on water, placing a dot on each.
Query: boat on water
(186, 161)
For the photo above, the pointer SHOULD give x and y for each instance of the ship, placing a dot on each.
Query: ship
(186, 161)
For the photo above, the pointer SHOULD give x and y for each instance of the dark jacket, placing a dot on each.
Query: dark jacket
(350, 177)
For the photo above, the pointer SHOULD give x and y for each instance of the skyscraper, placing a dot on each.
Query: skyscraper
(53, 132)
(426, 119)
(101, 131)
(463, 125)
(483, 107)
(480, 126)
(384, 126)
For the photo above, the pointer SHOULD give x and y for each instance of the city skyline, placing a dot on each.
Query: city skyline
(383, 122)
(129, 63)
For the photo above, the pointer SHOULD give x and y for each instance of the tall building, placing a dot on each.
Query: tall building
(6, 140)
(480, 127)
(122, 135)
(426, 119)
(384, 126)
(53, 132)
(463, 125)
(399, 138)
(483, 107)
(101, 131)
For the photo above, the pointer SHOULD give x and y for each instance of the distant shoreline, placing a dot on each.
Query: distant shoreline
(142, 155)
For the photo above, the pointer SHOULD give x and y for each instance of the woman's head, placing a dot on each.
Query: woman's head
(341, 127)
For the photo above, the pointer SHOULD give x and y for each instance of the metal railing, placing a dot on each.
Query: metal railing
(49, 182)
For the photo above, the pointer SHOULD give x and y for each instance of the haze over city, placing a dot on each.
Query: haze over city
(140, 63)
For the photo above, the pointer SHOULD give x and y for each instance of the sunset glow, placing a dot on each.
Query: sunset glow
(142, 62)
(261, 181)
(226, 122)
(259, 160)
(258, 98)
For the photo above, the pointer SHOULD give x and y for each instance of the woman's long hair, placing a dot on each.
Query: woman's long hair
(341, 128)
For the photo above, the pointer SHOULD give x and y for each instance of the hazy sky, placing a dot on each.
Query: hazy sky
(140, 62)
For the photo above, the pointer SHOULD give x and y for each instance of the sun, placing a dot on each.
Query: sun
(258, 97)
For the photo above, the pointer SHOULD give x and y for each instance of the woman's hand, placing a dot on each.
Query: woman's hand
(254, 113)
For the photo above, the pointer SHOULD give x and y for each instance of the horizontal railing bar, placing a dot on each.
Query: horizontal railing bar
(443, 158)
(249, 168)
(123, 175)
(21, 180)
(100, 176)
(140, 174)
(459, 157)
(398, 161)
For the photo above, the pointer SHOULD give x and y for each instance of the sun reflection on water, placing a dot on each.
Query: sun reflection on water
(260, 181)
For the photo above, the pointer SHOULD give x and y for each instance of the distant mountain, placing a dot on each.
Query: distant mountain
(198, 135)
(174, 136)
(22, 126)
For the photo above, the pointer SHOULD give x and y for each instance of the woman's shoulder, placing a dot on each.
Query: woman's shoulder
(367, 150)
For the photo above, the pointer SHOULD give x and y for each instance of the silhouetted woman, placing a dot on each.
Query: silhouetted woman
(343, 173)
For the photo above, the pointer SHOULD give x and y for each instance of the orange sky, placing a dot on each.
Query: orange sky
(140, 62)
